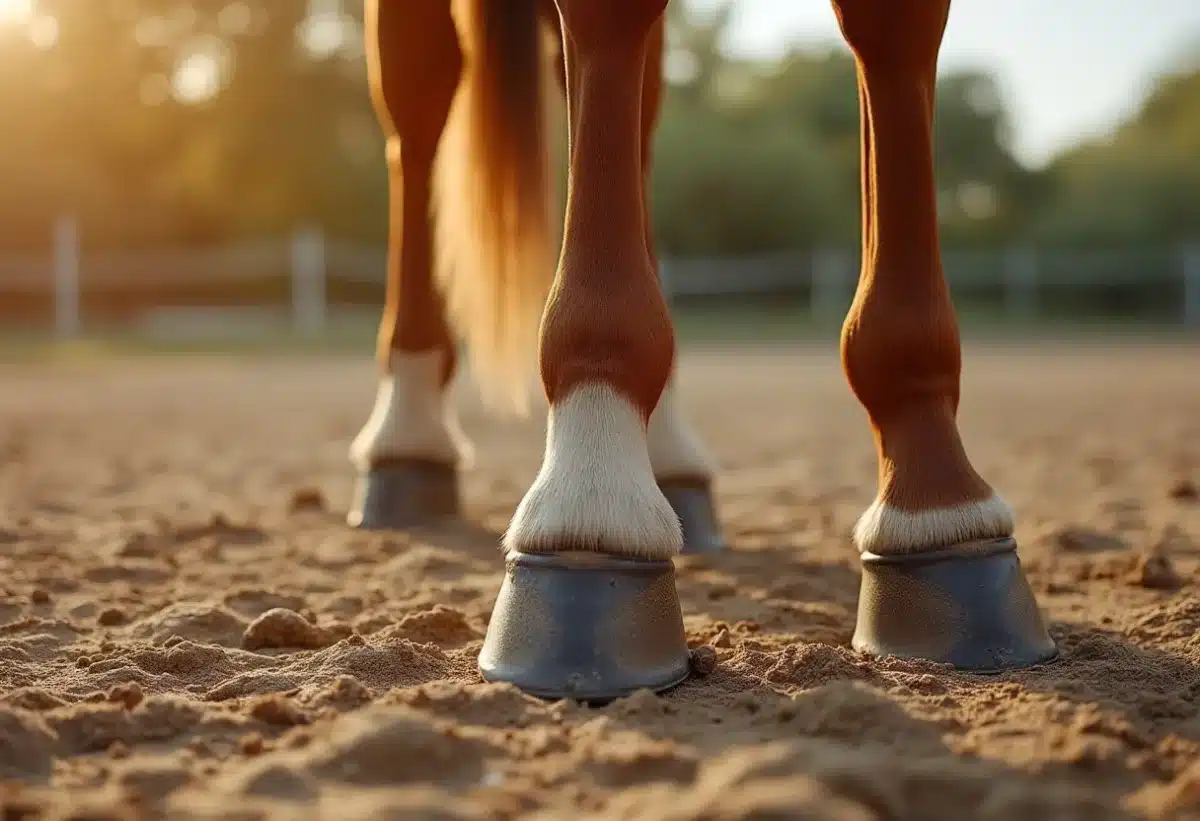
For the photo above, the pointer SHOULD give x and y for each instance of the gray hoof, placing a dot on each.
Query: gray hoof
(969, 608)
(404, 493)
(586, 627)
(692, 501)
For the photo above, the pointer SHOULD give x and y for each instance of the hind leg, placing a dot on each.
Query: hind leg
(682, 465)
(408, 451)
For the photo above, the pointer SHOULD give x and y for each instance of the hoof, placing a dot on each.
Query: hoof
(972, 609)
(692, 501)
(402, 494)
(585, 626)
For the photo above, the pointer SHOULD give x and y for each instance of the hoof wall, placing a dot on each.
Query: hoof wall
(692, 502)
(585, 626)
(403, 494)
(969, 608)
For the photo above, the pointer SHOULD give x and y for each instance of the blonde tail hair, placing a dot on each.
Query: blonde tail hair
(492, 185)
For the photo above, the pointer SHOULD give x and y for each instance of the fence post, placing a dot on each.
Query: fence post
(664, 280)
(66, 277)
(832, 283)
(308, 280)
(1191, 285)
(1021, 282)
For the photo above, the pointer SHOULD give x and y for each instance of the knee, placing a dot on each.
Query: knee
(896, 358)
(622, 337)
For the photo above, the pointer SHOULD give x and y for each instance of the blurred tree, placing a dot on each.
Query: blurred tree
(195, 121)
(160, 120)
(737, 169)
(1139, 184)
(984, 191)
(695, 56)
(721, 186)
(739, 135)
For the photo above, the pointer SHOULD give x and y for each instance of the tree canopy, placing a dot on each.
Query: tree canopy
(162, 121)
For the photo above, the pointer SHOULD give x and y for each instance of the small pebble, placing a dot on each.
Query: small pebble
(128, 694)
(703, 660)
(251, 744)
(306, 499)
(1184, 490)
(112, 617)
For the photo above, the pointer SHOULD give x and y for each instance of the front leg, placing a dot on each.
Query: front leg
(682, 465)
(941, 579)
(588, 608)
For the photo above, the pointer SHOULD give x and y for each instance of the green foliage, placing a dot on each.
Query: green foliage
(287, 137)
(750, 156)
(1140, 185)
(714, 174)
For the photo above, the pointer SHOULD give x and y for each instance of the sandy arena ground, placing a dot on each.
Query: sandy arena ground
(188, 630)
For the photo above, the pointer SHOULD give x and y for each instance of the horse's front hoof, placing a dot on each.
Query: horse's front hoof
(969, 606)
(585, 626)
(404, 493)
(692, 501)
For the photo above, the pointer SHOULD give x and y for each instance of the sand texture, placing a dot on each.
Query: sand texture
(189, 631)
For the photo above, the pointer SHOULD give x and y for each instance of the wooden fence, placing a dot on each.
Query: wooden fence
(307, 275)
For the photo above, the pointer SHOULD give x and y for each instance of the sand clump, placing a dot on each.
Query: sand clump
(185, 637)
(279, 627)
(191, 621)
(444, 626)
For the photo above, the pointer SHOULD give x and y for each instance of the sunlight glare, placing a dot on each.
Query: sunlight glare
(197, 78)
(16, 11)
(43, 32)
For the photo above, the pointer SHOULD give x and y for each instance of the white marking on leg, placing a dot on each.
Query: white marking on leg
(412, 417)
(676, 452)
(596, 490)
(884, 530)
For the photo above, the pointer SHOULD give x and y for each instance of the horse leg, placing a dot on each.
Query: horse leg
(589, 546)
(682, 465)
(941, 579)
(408, 450)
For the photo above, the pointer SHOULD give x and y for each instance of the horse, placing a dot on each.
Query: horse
(588, 607)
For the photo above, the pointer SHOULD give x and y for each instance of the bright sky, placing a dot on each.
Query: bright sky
(1068, 68)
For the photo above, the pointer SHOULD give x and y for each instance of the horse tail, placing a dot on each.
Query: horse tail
(491, 200)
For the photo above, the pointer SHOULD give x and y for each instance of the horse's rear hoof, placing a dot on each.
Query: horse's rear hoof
(404, 493)
(585, 626)
(971, 608)
(692, 501)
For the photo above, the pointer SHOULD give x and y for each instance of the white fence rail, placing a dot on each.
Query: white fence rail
(310, 262)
